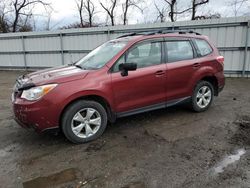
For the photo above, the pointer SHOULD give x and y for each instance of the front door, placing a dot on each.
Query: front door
(145, 86)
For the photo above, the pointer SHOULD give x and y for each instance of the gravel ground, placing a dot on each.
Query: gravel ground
(165, 148)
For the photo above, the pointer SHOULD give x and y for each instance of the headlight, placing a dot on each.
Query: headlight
(38, 92)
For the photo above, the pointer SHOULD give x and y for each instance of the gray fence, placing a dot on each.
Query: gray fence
(34, 50)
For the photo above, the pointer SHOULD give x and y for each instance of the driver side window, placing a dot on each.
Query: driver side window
(144, 55)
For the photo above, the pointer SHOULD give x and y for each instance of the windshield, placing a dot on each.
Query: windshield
(101, 55)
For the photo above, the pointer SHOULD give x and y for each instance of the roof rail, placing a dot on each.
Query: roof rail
(166, 31)
(180, 32)
(128, 35)
(174, 31)
(134, 34)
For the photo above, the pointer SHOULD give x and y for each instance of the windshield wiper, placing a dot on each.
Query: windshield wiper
(78, 66)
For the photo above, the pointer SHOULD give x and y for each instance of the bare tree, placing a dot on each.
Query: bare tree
(110, 10)
(20, 9)
(4, 26)
(125, 7)
(80, 5)
(173, 7)
(237, 5)
(208, 16)
(161, 13)
(88, 7)
(48, 21)
(195, 5)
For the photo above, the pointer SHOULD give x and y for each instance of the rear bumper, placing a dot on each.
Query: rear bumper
(220, 88)
(221, 81)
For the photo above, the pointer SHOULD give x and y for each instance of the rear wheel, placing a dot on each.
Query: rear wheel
(202, 96)
(84, 121)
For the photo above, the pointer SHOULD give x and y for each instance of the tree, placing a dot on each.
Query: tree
(172, 5)
(173, 9)
(48, 19)
(208, 16)
(125, 7)
(195, 5)
(79, 5)
(193, 8)
(237, 5)
(4, 26)
(23, 8)
(161, 13)
(110, 10)
(88, 7)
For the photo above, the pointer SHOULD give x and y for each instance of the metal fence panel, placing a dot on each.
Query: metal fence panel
(49, 49)
(42, 44)
(11, 45)
(84, 42)
(43, 60)
(12, 60)
(73, 57)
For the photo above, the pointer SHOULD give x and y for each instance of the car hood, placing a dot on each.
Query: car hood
(55, 75)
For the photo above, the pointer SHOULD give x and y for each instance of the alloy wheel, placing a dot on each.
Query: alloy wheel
(204, 96)
(86, 122)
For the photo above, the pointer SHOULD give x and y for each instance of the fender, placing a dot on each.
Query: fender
(85, 93)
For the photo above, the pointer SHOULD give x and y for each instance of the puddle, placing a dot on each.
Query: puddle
(229, 160)
(241, 137)
(52, 180)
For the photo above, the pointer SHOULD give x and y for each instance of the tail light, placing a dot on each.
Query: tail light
(220, 59)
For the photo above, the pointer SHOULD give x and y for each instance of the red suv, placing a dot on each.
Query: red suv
(131, 74)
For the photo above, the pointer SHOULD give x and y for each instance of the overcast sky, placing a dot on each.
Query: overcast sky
(65, 11)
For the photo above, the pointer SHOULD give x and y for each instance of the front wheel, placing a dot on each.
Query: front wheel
(202, 96)
(84, 121)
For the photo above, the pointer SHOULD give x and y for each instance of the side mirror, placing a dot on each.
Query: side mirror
(125, 67)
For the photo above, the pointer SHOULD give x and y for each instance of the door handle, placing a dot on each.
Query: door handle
(159, 73)
(196, 65)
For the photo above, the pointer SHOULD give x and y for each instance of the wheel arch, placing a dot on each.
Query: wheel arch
(207, 74)
(97, 98)
(213, 80)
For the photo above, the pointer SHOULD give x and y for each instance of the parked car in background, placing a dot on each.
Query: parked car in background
(132, 74)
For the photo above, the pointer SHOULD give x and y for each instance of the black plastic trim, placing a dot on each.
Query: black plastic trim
(152, 107)
(26, 86)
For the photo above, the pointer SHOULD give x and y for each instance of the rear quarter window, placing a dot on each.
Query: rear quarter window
(203, 47)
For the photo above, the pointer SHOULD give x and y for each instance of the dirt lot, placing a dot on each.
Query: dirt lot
(165, 148)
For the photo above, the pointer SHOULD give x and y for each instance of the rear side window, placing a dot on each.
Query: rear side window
(203, 47)
(179, 50)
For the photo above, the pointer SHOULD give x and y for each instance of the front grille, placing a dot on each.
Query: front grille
(20, 81)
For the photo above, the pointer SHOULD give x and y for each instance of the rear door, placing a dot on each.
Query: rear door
(145, 86)
(181, 65)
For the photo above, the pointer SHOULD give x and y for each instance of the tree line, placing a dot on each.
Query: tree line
(17, 15)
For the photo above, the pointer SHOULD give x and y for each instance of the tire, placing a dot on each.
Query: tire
(202, 89)
(84, 121)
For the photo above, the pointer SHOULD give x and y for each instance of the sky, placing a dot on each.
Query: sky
(65, 12)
